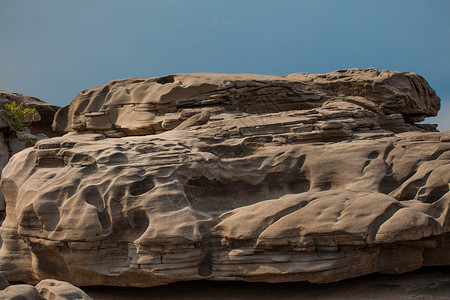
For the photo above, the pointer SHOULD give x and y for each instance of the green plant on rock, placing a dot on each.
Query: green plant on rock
(15, 115)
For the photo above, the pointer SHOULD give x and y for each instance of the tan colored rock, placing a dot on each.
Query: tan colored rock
(145, 211)
(404, 93)
(52, 289)
(223, 190)
(20, 292)
(139, 106)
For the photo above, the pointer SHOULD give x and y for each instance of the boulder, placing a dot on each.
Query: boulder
(52, 289)
(225, 177)
(20, 292)
(140, 106)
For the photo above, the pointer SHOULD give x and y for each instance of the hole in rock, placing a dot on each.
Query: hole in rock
(324, 185)
(205, 268)
(116, 158)
(388, 184)
(118, 191)
(221, 195)
(50, 264)
(93, 197)
(410, 190)
(141, 187)
(435, 194)
(166, 79)
(374, 154)
(140, 221)
(50, 162)
(261, 105)
(79, 158)
(366, 164)
(104, 219)
(29, 219)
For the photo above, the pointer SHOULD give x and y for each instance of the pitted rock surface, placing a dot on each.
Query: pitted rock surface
(254, 186)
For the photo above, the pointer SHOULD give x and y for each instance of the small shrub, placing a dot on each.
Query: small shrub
(15, 115)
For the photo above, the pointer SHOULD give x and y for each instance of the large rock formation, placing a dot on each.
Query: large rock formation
(139, 106)
(232, 177)
(10, 142)
(46, 289)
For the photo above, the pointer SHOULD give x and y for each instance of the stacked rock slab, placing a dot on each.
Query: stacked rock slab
(231, 177)
(46, 289)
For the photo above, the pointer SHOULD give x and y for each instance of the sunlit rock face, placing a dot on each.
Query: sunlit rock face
(231, 177)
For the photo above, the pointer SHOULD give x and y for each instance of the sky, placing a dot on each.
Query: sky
(53, 49)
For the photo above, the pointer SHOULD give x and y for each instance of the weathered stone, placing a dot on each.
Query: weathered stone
(54, 289)
(20, 292)
(253, 184)
(394, 92)
(10, 142)
(119, 103)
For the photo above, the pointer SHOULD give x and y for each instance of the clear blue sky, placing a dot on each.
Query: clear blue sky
(52, 49)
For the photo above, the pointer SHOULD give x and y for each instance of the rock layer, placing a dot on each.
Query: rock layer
(11, 143)
(394, 92)
(139, 106)
(258, 184)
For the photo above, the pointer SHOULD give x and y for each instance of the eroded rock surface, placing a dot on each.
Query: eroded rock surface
(394, 92)
(11, 143)
(20, 291)
(227, 177)
(49, 289)
(139, 106)
(54, 289)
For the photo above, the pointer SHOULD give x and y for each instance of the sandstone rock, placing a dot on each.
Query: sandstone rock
(10, 143)
(20, 292)
(52, 289)
(403, 93)
(139, 106)
(237, 178)
(46, 112)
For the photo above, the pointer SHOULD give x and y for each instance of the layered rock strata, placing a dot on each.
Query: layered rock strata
(11, 143)
(360, 98)
(227, 177)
